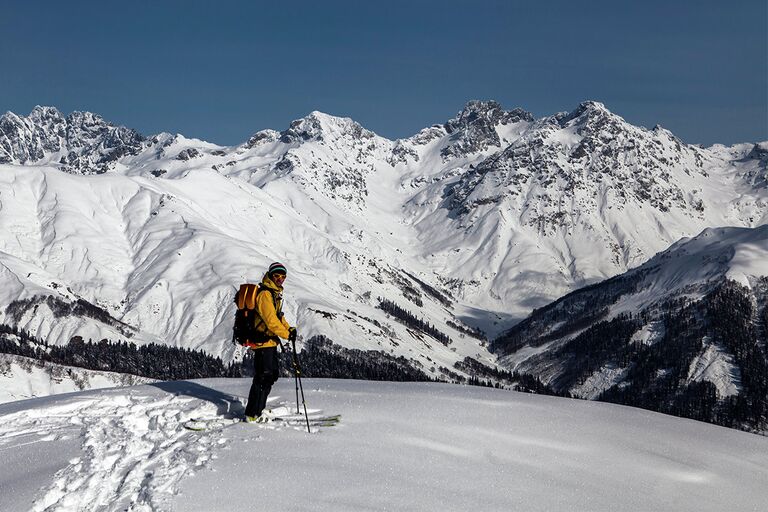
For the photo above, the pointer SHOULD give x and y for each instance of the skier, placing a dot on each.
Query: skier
(271, 326)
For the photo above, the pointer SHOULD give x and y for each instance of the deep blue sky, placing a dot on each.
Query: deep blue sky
(222, 70)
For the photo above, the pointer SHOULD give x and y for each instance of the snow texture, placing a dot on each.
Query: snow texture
(398, 447)
(715, 365)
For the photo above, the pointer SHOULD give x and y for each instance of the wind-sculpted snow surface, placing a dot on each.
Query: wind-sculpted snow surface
(398, 447)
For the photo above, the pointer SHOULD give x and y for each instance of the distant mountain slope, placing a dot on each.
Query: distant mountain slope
(22, 378)
(685, 333)
(468, 224)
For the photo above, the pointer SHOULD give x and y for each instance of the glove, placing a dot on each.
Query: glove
(292, 334)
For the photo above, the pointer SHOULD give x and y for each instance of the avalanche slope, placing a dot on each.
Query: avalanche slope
(398, 447)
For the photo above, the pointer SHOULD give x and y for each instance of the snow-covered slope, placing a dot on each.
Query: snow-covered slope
(472, 222)
(398, 447)
(689, 324)
(574, 198)
(22, 378)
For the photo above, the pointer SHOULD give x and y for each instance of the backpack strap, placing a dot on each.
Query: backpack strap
(278, 310)
(275, 296)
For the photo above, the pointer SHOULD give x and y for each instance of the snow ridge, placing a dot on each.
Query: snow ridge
(496, 211)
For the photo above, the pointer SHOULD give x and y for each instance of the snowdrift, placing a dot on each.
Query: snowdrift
(398, 447)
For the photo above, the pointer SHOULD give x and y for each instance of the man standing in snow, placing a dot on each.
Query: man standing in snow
(271, 325)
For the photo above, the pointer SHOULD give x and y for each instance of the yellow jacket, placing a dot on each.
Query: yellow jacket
(269, 306)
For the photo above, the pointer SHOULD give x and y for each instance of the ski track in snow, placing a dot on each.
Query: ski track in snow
(402, 446)
(134, 450)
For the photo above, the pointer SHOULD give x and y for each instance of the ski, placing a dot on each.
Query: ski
(321, 421)
(205, 424)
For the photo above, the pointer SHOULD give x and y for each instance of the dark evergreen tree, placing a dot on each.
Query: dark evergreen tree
(412, 321)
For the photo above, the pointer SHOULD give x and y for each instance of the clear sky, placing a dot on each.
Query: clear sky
(223, 70)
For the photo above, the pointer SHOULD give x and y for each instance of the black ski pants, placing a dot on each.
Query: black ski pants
(266, 366)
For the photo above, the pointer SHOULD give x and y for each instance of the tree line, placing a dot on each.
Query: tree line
(161, 362)
(410, 320)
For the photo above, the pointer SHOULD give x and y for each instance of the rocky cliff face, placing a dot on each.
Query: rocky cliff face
(588, 154)
(80, 142)
(475, 128)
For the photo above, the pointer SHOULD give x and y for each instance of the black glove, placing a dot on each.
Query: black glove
(292, 334)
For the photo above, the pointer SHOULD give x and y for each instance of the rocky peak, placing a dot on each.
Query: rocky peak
(583, 154)
(318, 126)
(485, 114)
(474, 128)
(759, 152)
(306, 128)
(427, 135)
(262, 137)
(80, 142)
(587, 114)
(46, 115)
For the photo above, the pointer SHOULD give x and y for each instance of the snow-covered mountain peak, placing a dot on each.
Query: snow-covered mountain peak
(593, 119)
(487, 113)
(80, 142)
(262, 137)
(40, 114)
(318, 125)
(759, 152)
(589, 149)
(477, 128)
(586, 110)
(501, 217)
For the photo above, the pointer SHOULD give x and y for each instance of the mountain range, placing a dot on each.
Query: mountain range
(425, 248)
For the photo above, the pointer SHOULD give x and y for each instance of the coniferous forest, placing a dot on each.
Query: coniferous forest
(660, 375)
(410, 320)
(154, 361)
(322, 358)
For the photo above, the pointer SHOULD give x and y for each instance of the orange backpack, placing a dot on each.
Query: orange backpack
(249, 326)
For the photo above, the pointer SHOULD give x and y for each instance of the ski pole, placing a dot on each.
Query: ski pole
(297, 370)
(295, 378)
(296, 381)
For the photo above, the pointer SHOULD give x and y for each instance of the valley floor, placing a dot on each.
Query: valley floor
(399, 446)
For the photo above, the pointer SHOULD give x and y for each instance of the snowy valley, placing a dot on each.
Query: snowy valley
(684, 333)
